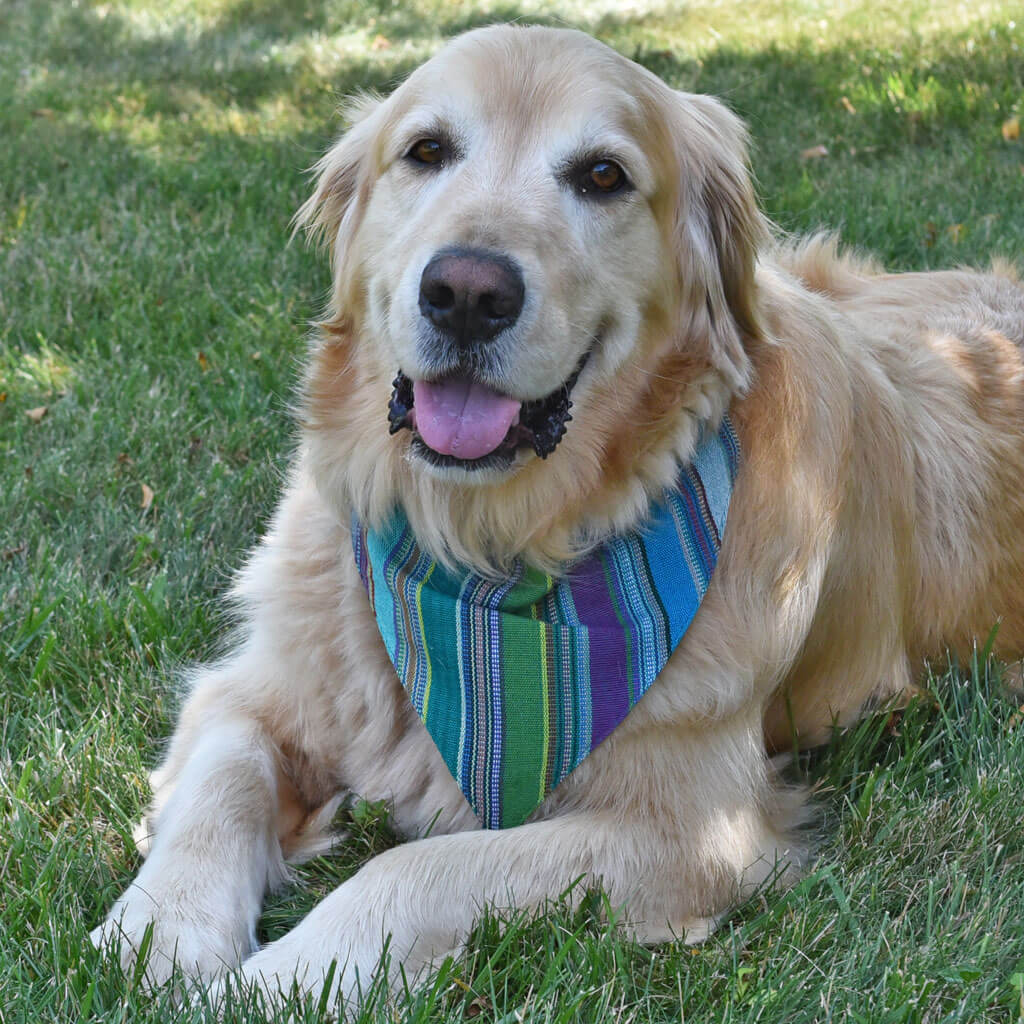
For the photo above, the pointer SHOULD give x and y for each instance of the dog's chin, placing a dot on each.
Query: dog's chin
(496, 466)
(534, 430)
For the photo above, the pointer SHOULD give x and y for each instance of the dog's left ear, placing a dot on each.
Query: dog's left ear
(719, 231)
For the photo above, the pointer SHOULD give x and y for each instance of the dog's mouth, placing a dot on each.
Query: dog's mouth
(458, 420)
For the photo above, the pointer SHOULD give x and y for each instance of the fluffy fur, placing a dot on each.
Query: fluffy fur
(878, 518)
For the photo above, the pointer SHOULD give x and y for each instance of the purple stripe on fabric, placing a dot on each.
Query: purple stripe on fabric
(607, 655)
(627, 627)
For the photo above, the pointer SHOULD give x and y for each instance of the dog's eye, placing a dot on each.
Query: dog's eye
(427, 151)
(603, 177)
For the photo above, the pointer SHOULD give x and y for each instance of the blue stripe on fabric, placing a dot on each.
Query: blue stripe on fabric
(671, 576)
(648, 655)
(712, 464)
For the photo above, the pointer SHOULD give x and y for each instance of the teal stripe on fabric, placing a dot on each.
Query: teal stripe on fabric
(576, 669)
(517, 680)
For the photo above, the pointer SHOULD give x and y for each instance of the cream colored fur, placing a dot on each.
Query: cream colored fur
(878, 518)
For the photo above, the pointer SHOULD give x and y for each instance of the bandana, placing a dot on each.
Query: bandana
(518, 679)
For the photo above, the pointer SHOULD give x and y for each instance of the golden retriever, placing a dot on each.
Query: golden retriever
(605, 229)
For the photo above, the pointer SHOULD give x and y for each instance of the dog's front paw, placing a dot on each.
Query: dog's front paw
(340, 971)
(159, 931)
(287, 969)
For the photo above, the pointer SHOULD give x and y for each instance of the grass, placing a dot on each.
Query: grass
(152, 157)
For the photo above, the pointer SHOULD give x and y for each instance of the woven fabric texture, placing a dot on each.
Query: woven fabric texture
(517, 680)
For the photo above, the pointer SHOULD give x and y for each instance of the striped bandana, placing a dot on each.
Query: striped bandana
(517, 680)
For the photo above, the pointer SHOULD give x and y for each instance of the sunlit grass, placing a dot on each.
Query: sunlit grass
(152, 158)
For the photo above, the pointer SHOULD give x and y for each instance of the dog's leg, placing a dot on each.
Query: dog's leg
(420, 900)
(213, 846)
(672, 852)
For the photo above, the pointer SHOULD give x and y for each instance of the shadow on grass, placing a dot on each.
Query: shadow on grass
(255, 51)
(283, 20)
(261, 50)
(243, 57)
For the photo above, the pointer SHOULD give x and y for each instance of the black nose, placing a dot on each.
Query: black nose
(471, 294)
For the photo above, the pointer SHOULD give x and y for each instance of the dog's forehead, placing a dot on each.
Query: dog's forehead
(531, 77)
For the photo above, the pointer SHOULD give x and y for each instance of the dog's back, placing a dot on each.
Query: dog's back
(936, 387)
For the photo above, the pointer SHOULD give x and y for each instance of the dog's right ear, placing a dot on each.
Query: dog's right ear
(343, 178)
(719, 231)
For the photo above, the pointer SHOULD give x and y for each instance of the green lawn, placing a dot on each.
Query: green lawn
(151, 157)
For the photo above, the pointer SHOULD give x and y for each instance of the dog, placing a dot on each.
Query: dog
(551, 286)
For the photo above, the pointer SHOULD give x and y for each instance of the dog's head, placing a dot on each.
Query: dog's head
(530, 224)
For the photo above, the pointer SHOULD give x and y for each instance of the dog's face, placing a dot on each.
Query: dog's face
(532, 223)
(514, 242)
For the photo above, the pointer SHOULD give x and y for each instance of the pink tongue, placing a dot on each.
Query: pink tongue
(462, 417)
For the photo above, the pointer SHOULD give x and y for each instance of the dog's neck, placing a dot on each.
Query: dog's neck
(624, 448)
(550, 513)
